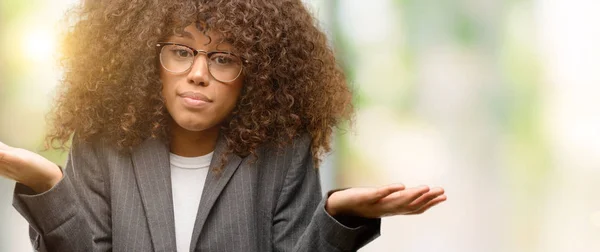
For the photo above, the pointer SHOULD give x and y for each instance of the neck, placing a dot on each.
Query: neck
(187, 143)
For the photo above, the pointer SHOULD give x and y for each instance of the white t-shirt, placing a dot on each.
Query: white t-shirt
(188, 175)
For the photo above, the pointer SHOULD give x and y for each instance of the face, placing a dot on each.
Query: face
(194, 98)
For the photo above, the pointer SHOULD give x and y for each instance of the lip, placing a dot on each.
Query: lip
(194, 99)
(195, 96)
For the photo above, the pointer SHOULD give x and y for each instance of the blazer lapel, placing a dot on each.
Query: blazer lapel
(214, 186)
(152, 171)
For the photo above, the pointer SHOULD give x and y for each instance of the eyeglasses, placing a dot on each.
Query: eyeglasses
(178, 58)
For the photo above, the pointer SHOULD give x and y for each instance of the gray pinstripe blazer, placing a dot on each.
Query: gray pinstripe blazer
(109, 200)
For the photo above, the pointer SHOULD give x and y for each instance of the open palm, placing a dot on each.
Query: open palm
(387, 200)
(28, 168)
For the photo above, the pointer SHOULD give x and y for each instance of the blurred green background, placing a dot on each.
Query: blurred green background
(496, 101)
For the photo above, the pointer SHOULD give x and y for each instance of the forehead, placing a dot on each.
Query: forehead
(208, 36)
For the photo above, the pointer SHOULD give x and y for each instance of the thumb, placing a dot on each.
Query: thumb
(384, 191)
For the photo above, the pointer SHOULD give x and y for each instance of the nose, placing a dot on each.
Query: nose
(199, 74)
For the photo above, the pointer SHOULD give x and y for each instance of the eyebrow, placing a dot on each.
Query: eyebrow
(184, 34)
(221, 42)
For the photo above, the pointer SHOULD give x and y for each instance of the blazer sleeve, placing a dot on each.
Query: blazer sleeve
(300, 221)
(74, 215)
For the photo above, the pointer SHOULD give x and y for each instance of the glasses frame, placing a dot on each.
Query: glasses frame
(160, 45)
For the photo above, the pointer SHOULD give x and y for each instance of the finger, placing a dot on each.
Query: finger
(396, 187)
(416, 193)
(384, 191)
(398, 202)
(430, 204)
(425, 198)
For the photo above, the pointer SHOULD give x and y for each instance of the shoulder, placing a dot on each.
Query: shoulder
(93, 154)
(102, 145)
(293, 151)
(284, 163)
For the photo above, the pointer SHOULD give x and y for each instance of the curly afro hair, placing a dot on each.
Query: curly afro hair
(111, 86)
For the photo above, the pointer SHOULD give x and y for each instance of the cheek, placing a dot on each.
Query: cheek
(229, 96)
(167, 90)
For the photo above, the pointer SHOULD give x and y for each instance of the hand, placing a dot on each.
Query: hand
(383, 201)
(28, 168)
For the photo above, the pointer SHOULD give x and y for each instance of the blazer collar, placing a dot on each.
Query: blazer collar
(214, 186)
(153, 174)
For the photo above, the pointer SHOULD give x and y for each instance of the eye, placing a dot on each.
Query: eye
(178, 52)
(223, 59)
(182, 53)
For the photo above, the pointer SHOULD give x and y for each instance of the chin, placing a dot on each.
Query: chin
(196, 127)
(194, 124)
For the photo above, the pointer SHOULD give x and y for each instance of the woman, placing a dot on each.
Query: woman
(197, 126)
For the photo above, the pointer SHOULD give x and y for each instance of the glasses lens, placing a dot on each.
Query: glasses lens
(224, 67)
(176, 58)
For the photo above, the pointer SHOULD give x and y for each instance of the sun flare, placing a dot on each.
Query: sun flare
(38, 45)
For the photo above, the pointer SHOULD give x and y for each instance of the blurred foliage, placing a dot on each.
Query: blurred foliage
(509, 102)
